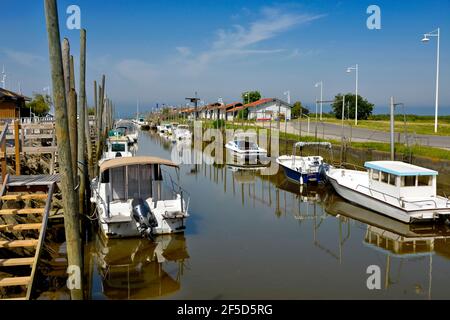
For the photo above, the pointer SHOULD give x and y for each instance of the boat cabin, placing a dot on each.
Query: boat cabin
(117, 146)
(122, 179)
(401, 180)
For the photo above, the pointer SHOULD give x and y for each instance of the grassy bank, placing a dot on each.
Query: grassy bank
(416, 150)
(414, 124)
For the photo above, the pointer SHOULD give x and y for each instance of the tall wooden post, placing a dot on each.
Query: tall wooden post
(17, 146)
(71, 99)
(100, 119)
(66, 66)
(81, 124)
(88, 142)
(71, 222)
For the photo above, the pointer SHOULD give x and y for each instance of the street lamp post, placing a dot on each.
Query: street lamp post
(321, 96)
(349, 70)
(426, 39)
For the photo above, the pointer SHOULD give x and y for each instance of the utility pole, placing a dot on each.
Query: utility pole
(71, 218)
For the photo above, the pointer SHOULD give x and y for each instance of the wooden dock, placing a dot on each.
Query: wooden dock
(26, 202)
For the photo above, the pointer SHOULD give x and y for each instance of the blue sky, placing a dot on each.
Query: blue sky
(163, 51)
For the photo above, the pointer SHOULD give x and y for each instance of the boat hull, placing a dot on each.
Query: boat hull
(384, 208)
(301, 178)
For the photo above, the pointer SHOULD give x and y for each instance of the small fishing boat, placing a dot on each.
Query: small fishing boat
(393, 188)
(243, 148)
(132, 199)
(182, 132)
(304, 169)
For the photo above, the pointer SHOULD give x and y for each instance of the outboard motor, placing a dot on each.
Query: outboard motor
(145, 219)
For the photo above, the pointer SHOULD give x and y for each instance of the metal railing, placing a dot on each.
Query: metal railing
(400, 201)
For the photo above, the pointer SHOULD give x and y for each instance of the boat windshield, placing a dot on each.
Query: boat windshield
(246, 145)
(118, 147)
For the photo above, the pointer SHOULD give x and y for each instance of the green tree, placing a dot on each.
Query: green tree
(91, 111)
(40, 105)
(250, 96)
(297, 109)
(243, 114)
(365, 108)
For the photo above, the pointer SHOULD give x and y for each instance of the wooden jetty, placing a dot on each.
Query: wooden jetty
(26, 202)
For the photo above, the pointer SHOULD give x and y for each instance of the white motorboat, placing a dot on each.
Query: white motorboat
(116, 146)
(243, 148)
(304, 169)
(132, 199)
(182, 132)
(142, 124)
(129, 129)
(396, 189)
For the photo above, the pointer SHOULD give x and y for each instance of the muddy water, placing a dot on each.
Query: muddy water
(261, 237)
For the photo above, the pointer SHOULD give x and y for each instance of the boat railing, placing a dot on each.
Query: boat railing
(177, 189)
(355, 166)
(401, 202)
(380, 192)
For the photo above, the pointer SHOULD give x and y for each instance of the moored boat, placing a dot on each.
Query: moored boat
(396, 189)
(132, 199)
(304, 169)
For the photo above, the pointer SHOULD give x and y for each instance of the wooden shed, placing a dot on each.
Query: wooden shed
(12, 105)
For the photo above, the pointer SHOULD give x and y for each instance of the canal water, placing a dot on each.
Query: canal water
(261, 237)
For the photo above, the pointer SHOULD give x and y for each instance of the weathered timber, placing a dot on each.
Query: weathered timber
(71, 221)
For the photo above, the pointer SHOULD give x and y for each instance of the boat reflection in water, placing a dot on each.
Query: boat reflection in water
(140, 269)
(401, 244)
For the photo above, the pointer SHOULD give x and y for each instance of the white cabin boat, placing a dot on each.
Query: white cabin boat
(182, 132)
(244, 149)
(304, 169)
(132, 199)
(396, 189)
(116, 147)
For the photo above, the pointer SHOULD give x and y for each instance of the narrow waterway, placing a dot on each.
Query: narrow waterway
(260, 237)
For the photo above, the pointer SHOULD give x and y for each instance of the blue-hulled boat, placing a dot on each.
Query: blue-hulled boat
(304, 169)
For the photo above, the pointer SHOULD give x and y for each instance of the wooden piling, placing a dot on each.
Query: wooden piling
(88, 142)
(71, 222)
(66, 66)
(100, 120)
(17, 146)
(81, 124)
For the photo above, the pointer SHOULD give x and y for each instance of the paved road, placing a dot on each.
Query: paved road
(333, 131)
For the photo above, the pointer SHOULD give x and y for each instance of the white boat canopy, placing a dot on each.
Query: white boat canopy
(130, 161)
(305, 144)
(401, 169)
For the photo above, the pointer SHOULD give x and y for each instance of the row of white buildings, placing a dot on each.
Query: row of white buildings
(262, 110)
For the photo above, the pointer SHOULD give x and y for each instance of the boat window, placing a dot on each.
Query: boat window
(425, 181)
(384, 177)
(118, 147)
(392, 180)
(118, 183)
(375, 175)
(409, 181)
(139, 181)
